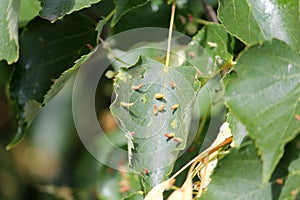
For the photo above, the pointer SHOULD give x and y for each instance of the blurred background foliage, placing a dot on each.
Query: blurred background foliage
(51, 162)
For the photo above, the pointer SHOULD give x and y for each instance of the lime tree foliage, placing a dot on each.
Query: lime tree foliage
(254, 49)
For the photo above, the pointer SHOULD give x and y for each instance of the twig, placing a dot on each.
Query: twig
(170, 35)
(114, 56)
(202, 21)
(203, 155)
(109, 16)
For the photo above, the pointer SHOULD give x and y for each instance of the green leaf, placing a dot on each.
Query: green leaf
(47, 51)
(279, 176)
(124, 6)
(29, 9)
(213, 52)
(136, 18)
(65, 76)
(114, 184)
(135, 196)
(253, 21)
(100, 26)
(137, 107)
(292, 184)
(238, 129)
(217, 42)
(54, 9)
(263, 92)
(238, 176)
(285, 171)
(9, 45)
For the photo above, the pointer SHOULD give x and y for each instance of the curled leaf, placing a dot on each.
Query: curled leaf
(157, 191)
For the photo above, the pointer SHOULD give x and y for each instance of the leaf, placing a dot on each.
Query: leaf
(124, 6)
(136, 18)
(213, 50)
(100, 26)
(114, 184)
(29, 9)
(184, 193)
(253, 21)
(65, 76)
(238, 129)
(217, 42)
(157, 132)
(157, 191)
(47, 51)
(54, 9)
(135, 196)
(292, 184)
(238, 176)
(9, 45)
(263, 93)
(279, 176)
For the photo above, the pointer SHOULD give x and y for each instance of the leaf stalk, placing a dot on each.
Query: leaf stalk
(170, 34)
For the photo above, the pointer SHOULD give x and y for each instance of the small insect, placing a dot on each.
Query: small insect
(159, 96)
(144, 99)
(173, 84)
(54, 80)
(191, 54)
(175, 106)
(173, 124)
(89, 46)
(176, 139)
(169, 135)
(161, 108)
(290, 67)
(146, 171)
(137, 87)
(124, 188)
(294, 192)
(126, 105)
(132, 133)
(190, 17)
(191, 149)
(212, 44)
(279, 181)
(182, 19)
(155, 111)
(198, 72)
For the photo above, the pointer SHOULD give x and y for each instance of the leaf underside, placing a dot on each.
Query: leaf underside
(144, 120)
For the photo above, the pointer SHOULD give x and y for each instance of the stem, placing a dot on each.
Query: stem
(107, 18)
(170, 34)
(202, 123)
(202, 21)
(114, 56)
(202, 155)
